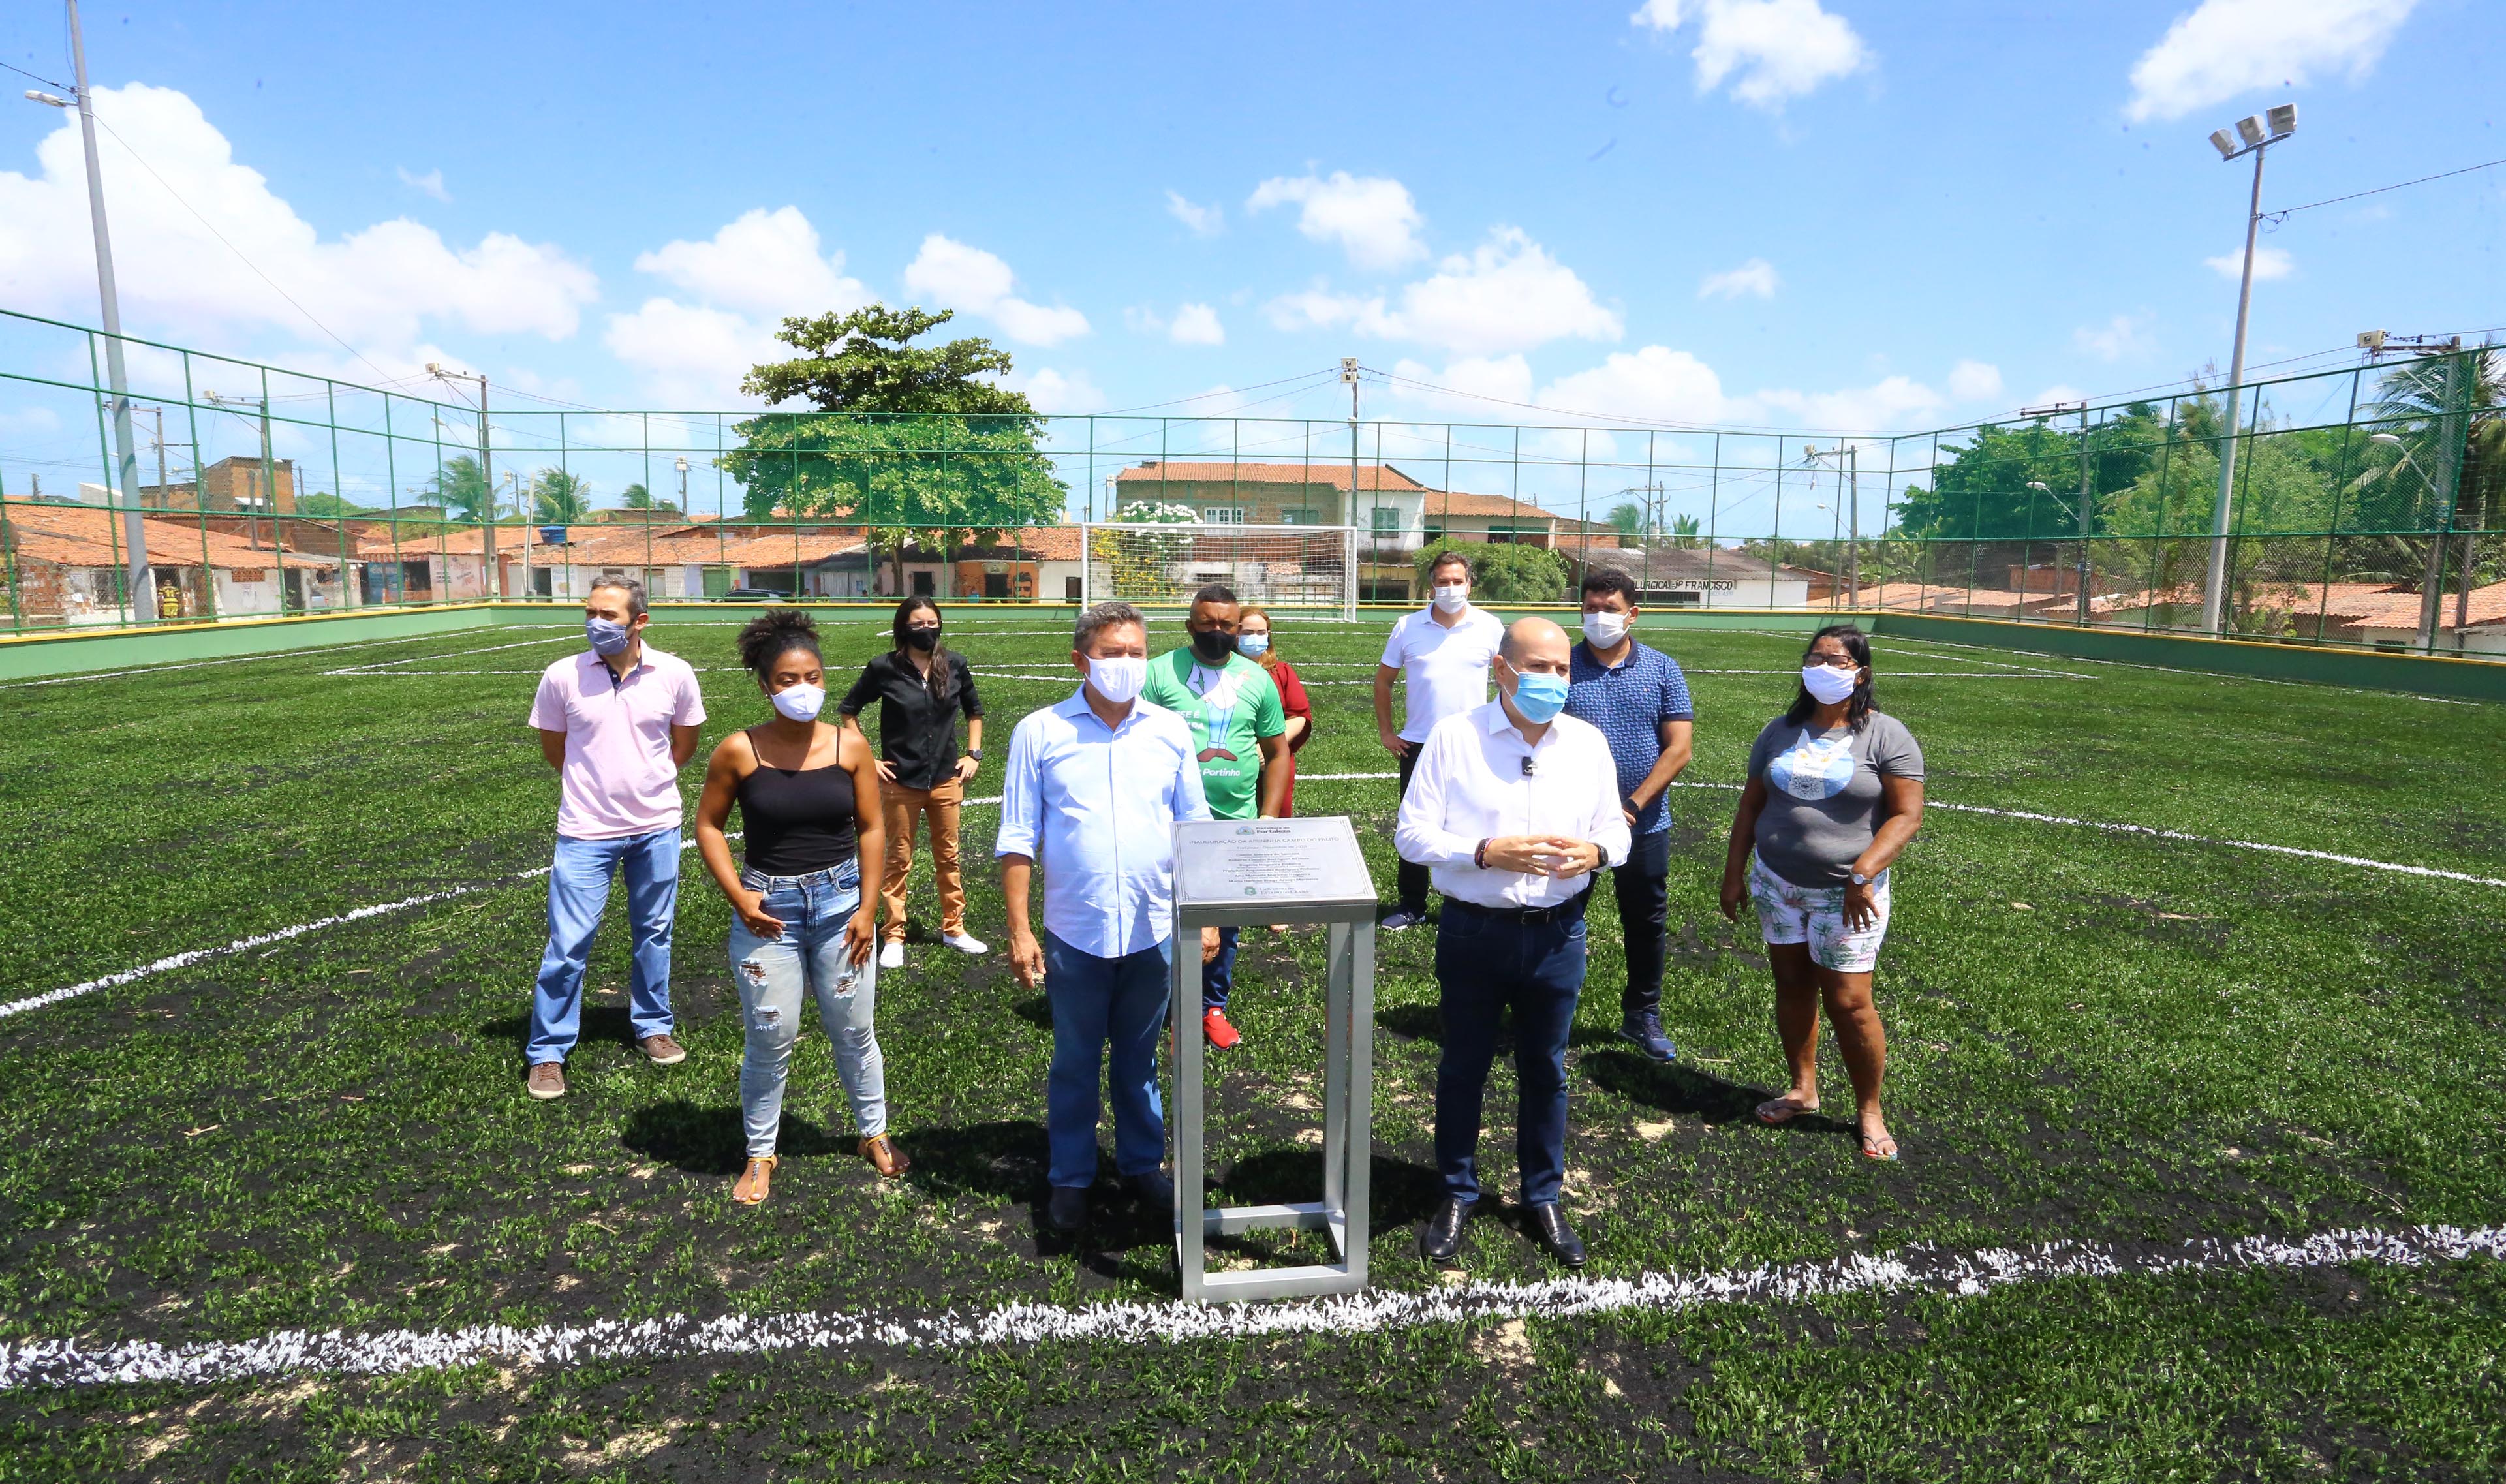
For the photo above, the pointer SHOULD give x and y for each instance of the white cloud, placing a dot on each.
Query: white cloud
(1891, 402)
(1060, 392)
(2059, 392)
(762, 263)
(431, 183)
(377, 287)
(1371, 217)
(964, 277)
(1975, 382)
(691, 355)
(1772, 50)
(1202, 221)
(1653, 384)
(1196, 325)
(2269, 263)
(2119, 337)
(2228, 46)
(1463, 381)
(1756, 276)
(1506, 295)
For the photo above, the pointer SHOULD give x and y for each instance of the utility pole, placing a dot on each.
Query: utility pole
(1348, 374)
(2085, 518)
(2446, 487)
(2258, 136)
(266, 491)
(493, 581)
(134, 525)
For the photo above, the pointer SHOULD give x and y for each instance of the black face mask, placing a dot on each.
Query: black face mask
(1212, 647)
(922, 639)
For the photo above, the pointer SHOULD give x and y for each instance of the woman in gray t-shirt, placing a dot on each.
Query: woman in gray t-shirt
(1835, 791)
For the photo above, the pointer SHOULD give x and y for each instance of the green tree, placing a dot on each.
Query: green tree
(903, 434)
(324, 505)
(1502, 571)
(559, 498)
(461, 488)
(1630, 518)
(636, 497)
(1685, 534)
(2423, 403)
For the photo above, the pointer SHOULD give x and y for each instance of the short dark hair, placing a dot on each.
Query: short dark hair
(1445, 559)
(634, 589)
(1858, 709)
(1609, 579)
(1214, 593)
(773, 634)
(1103, 616)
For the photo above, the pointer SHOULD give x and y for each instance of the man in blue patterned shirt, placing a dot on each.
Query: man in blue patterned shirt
(1638, 698)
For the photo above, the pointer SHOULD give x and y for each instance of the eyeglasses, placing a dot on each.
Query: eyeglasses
(1836, 661)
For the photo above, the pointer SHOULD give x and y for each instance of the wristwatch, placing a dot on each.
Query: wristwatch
(1861, 880)
(977, 753)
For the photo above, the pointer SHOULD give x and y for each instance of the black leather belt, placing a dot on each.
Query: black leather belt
(1565, 911)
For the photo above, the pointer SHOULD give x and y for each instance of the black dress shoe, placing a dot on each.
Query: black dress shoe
(1442, 1241)
(1548, 1225)
(1154, 1190)
(1067, 1211)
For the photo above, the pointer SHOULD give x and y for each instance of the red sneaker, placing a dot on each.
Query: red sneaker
(1213, 1022)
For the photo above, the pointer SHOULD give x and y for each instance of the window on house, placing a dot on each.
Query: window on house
(1070, 590)
(1223, 515)
(1387, 521)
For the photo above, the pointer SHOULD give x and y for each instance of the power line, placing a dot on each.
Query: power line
(2285, 212)
(39, 77)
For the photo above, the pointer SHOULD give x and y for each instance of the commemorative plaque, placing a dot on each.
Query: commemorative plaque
(1236, 873)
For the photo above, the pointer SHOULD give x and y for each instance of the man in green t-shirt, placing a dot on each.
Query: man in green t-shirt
(1236, 716)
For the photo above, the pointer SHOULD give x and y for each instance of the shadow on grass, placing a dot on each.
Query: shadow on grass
(600, 1023)
(1677, 1089)
(1036, 1010)
(1398, 1190)
(1427, 1023)
(713, 1140)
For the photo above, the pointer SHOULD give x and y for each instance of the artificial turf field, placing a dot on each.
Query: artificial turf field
(2118, 1040)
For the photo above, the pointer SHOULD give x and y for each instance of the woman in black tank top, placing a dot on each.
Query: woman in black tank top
(802, 929)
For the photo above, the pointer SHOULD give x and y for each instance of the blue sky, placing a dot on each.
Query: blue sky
(1825, 214)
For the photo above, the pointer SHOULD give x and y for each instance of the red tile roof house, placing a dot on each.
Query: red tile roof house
(65, 565)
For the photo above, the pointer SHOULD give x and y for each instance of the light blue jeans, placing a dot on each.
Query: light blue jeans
(578, 890)
(808, 956)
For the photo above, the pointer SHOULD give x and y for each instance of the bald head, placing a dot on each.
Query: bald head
(1527, 639)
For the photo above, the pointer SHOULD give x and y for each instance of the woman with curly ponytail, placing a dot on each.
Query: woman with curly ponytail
(801, 925)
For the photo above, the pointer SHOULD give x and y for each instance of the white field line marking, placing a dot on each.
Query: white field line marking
(189, 957)
(240, 659)
(195, 956)
(1919, 1269)
(2174, 670)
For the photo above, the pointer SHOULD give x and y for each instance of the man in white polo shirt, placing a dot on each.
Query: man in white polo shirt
(617, 722)
(1442, 654)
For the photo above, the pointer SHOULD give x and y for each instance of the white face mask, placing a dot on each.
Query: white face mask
(1827, 685)
(1605, 629)
(1118, 678)
(801, 703)
(1453, 596)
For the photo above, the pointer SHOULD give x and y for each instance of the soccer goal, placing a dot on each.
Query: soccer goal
(1283, 567)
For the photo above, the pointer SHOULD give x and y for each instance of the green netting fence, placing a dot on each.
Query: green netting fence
(2364, 504)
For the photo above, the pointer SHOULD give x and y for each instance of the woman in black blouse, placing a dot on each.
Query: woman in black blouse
(921, 687)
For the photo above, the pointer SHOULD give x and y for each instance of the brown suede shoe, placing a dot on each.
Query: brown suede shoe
(663, 1051)
(885, 1157)
(546, 1081)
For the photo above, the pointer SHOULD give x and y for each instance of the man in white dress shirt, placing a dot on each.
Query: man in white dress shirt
(1442, 654)
(1512, 807)
(1091, 794)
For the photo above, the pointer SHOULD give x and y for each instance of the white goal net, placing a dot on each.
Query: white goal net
(1283, 566)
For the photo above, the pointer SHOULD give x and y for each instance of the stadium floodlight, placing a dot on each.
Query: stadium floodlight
(2258, 135)
(2224, 142)
(45, 98)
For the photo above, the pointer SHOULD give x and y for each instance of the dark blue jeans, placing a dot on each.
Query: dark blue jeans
(1102, 1005)
(1218, 975)
(1485, 964)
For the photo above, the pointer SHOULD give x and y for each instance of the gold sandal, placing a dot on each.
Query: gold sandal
(885, 1157)
(754, 1180)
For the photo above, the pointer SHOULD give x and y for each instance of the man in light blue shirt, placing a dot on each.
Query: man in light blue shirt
(1091, 793)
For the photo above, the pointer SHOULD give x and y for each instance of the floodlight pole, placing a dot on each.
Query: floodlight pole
(1348, 374)
(491, 576)
(2214, 610)
(125, 450)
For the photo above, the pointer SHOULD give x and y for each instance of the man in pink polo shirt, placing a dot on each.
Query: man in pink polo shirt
(617, 722)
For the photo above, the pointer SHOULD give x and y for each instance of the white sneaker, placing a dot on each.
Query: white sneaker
(892, 955)
(963, 943)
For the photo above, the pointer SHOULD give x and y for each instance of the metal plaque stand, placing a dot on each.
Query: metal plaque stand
(1234, 873)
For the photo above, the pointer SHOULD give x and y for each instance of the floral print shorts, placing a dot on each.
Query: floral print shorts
(1815, 916)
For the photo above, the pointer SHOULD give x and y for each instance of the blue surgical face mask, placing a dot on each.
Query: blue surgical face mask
(1252, 646)
(1539, 698)
(607, 635)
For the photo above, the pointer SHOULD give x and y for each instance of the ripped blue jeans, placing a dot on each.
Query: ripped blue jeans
(809, 956)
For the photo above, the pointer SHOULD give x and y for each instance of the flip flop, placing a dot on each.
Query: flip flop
(1785, 1112)
(1869, 1152)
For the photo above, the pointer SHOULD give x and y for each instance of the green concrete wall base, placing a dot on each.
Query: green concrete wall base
(70, 652)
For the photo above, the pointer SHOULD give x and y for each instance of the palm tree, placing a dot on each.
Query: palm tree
(461, 489)
(1684, 533)
(559, 498)
(2424, 405)
(1630, 518)
(637, 497)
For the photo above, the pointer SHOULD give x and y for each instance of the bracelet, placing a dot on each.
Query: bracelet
(1479, 857)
